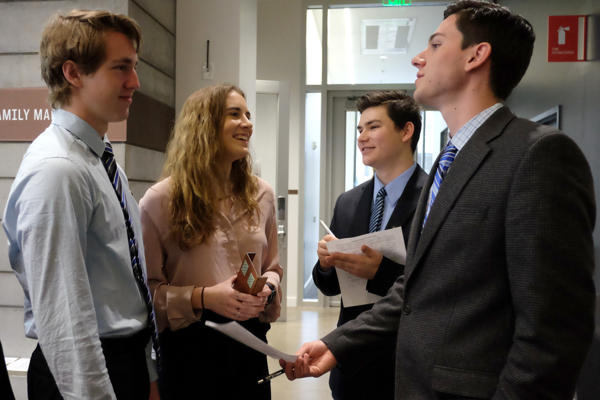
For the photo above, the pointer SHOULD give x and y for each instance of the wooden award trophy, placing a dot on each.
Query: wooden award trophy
(247, 280)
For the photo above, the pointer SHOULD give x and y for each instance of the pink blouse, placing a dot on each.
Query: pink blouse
(173, 273)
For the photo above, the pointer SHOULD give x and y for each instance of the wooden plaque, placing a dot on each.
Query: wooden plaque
(247, 280)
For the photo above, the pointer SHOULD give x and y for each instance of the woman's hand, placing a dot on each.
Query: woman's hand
(264, 294)
(230, 303)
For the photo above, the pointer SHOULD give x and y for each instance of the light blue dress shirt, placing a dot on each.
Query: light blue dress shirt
(394, 190)
(463, 135)
(68, 247)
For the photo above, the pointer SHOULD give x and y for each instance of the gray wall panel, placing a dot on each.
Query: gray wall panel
(163, 11)
(4, 264)
(11, 155)
(5, 184)
(139, 188)
(20, 70)
(11, 292)
(143, 164)
(156, 84)
(22, 23)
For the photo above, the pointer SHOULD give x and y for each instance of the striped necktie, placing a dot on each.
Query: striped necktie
(442, 169)
(108, 160)
(377, 214)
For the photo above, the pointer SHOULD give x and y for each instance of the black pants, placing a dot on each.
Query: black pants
(375, 381)
(5, 388)
(125, 362)
(200, 363)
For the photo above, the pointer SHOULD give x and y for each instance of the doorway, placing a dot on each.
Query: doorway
(351, 48)
(269, 148)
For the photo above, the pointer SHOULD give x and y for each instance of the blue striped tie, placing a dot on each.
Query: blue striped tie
(377, 214)
(442, 169)
(108, 160)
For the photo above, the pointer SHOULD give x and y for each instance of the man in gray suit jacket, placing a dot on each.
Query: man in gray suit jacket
(497, 299)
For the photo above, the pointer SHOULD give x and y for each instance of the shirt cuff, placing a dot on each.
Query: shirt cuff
(180, 313)
(386, 275)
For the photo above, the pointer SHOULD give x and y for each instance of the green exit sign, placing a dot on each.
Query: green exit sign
(396, 3)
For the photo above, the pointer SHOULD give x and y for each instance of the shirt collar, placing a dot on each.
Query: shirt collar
(464, 134)
(78, 127)
(395, 188)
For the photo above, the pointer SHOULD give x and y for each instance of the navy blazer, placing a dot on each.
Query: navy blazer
(351, 217)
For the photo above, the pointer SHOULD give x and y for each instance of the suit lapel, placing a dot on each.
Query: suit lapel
(407, 203)
(464, 166)
(362, 210)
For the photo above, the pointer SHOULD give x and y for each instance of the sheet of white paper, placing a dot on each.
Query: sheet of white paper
(389, 242)
(242, 335)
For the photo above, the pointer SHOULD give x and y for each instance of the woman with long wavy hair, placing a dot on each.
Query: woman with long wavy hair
(198, 223)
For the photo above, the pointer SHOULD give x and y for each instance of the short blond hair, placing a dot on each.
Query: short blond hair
(79, 36)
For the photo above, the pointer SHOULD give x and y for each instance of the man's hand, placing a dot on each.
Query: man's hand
(314, 359)
(324, 253)
(364, 266)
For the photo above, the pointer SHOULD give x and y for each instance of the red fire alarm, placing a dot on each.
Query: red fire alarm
(567, 35)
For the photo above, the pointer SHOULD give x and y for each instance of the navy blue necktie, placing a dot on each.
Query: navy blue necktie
(108, 160)
(442, 169)
(377, 214)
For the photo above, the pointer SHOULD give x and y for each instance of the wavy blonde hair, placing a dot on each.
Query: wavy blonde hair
(192, 163)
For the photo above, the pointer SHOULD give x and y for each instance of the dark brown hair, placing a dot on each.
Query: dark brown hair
(510, 35)
(79, 36)
(401, 108)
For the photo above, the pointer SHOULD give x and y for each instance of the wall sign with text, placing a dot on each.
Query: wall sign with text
(25, 113)
(567, 36)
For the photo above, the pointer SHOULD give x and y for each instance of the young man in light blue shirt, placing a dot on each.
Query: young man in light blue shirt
(69, 243)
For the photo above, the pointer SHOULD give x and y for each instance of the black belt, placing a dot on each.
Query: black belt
(126, 344)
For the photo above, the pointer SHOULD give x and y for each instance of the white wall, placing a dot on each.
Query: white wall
(575, 86)
(231, 28)
(279, 49)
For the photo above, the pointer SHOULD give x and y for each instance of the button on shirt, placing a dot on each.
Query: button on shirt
(68, 247)
(394, 190)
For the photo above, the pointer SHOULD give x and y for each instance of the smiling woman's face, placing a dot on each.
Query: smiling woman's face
(237, 128)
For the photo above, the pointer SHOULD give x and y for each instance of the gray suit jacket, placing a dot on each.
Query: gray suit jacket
(498, 297)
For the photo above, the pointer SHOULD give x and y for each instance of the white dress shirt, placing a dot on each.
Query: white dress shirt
(68, 247)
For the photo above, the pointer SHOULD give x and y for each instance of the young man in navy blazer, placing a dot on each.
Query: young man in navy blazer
(390, 126)
(498, 298)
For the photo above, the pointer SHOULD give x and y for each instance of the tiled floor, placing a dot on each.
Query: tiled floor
(302, 325)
